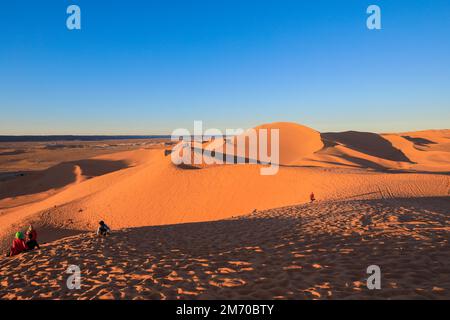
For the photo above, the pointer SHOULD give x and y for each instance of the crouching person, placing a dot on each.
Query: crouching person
(103, 229)
(31, 242)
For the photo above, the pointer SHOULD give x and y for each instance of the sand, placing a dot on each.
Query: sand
(155, 207)
(317, 251)
(295, 142)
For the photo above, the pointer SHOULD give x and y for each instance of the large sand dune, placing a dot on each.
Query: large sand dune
(295, 142)
(142, 188)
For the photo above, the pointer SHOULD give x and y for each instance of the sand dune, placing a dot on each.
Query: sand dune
(424, 153)
(142, 188)
(158, 193)
(295, 141)
(54, 178)
(318, 251)
(404, 152)
(368, 143)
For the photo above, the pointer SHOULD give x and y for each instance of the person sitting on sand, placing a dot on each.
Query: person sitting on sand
(31, 243)
(18, 245)
(31, 232)
(311, 197)
(103, 229)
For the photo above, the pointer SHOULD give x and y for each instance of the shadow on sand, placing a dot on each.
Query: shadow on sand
(366, 142)
(301, 252)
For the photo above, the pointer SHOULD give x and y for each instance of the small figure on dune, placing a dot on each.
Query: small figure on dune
(31, 242)
(312, 198)
(103, 229)
(18, 245)
(31, 232)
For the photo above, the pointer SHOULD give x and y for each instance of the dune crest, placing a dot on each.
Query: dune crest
(295, 141)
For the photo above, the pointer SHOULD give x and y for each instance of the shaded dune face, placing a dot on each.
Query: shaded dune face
(369, 143)
(419, 141)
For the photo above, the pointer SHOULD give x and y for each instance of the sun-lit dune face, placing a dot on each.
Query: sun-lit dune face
(421, 151)
(429, 140)
(280, 143)
(294, 141)
(428, 150)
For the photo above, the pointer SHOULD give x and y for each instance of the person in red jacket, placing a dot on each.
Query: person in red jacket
(32, 232)
(18, 244)
(311, 197)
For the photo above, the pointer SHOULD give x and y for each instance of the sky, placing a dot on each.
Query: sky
(149, 67)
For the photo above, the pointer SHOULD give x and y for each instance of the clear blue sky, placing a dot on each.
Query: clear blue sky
(148, 67)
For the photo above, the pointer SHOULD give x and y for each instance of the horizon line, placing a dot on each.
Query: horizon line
(168, 135)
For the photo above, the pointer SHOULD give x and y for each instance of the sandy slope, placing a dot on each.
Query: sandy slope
(143, 187)
(295, 142)
(348, 171)
(157, 192)
(318, 251)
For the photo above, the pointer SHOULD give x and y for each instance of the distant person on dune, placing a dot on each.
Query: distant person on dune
(31, 232)
(31, 243)
(18, 245)
(103, 229)
(312, 197)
